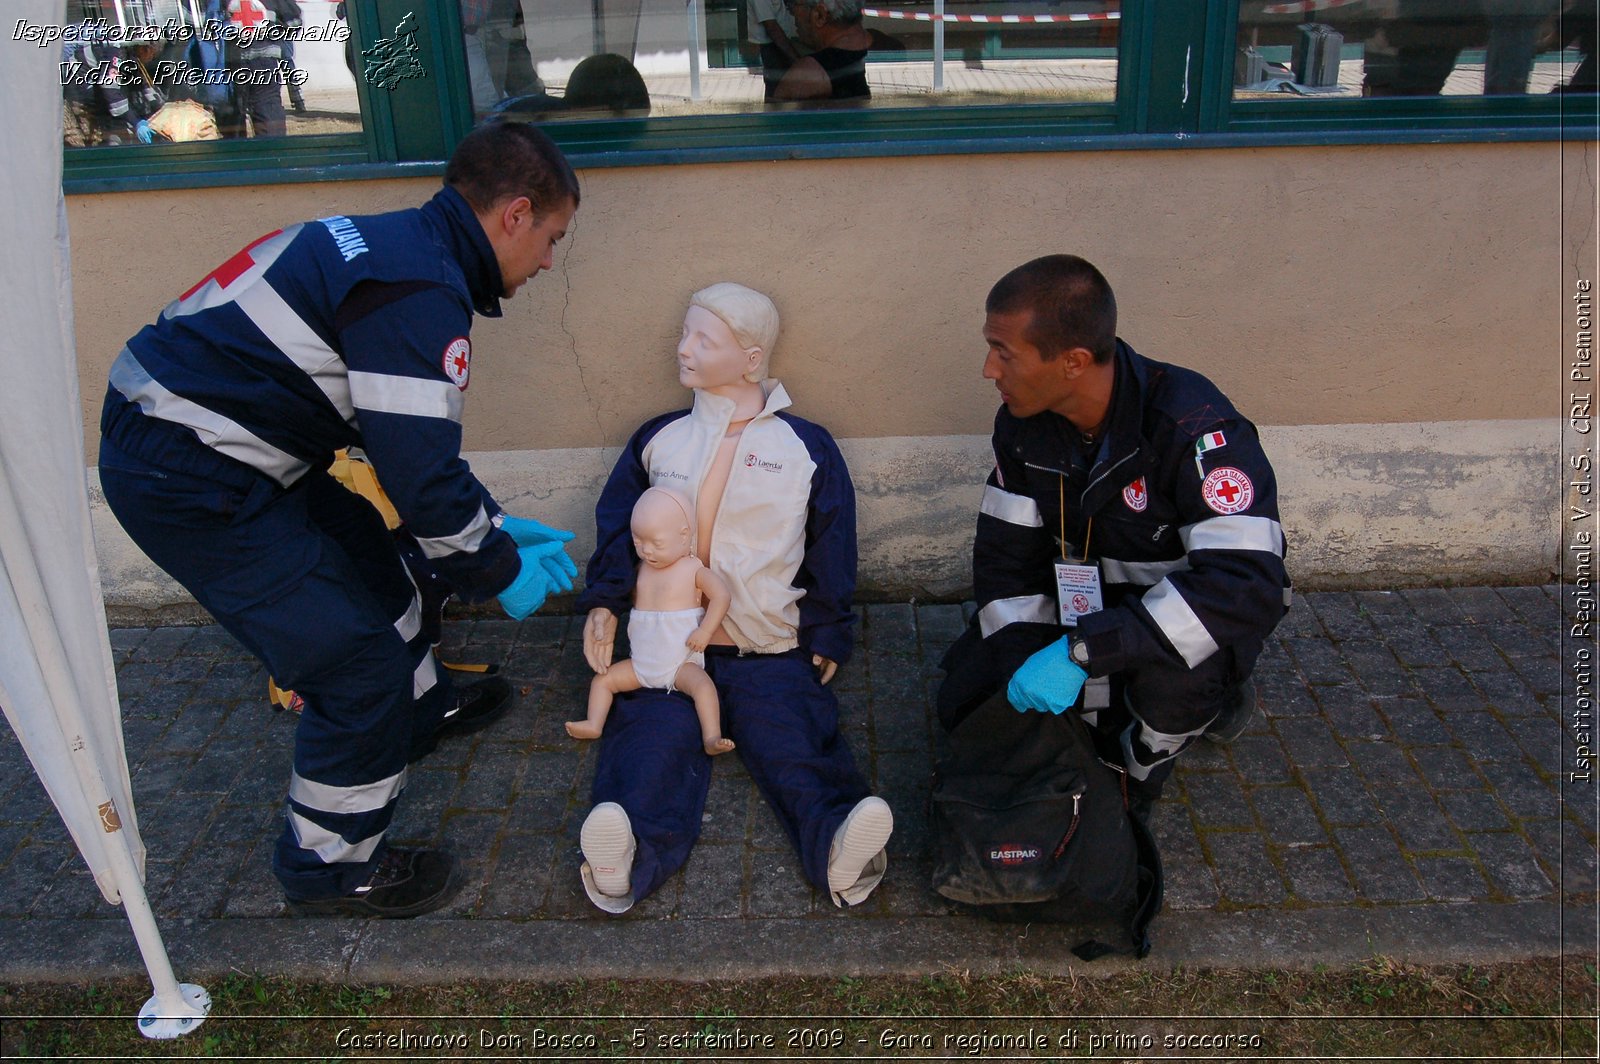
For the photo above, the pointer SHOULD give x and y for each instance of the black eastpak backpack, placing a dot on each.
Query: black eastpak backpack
(1031, 826)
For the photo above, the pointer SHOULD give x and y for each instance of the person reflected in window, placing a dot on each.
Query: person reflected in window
(258, 29)
(607, 82)
(772, 30)
(499, 64)
(109, 91)
(836, 69)
(1415, 52)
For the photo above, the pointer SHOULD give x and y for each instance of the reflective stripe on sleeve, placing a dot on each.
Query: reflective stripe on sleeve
(1237, 532)
(1012, 509)
(469, 539)
(1179, 624)
(1036, 609)
(363, 798)
(1117, 571)
(413, 396)
(215, 431)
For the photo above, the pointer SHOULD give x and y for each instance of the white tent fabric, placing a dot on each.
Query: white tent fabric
(53, 646)
(57, 682)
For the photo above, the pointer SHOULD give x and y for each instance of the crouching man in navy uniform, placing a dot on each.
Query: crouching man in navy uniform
(775, 517)
(219, 425)
(1128, 562)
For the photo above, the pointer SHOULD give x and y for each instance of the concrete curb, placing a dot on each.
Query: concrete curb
(428, 952)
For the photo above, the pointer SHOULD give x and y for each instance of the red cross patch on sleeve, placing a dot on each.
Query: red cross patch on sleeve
(1227, 490)
(458, 361)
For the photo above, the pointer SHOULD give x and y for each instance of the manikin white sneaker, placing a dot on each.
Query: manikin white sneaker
(857, 853)
(607, 841)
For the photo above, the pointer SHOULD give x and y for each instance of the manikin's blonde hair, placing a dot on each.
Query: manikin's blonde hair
(749, 315)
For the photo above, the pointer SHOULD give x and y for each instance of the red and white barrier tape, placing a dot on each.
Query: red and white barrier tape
(926, 16)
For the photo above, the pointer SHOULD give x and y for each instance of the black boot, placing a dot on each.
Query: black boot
(1236, 714)
(474, 706)
(404, 884)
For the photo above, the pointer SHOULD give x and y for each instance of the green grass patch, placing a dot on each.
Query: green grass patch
(1538, 1010)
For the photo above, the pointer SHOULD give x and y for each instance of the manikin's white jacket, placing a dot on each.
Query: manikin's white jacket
(783, 539)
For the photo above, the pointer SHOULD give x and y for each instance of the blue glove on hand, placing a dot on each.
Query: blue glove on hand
(145, 133)
(560, 569)
(527, 532)
(533, 583)
(1048, 682)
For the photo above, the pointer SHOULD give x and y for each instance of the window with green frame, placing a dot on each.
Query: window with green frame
(621, 82)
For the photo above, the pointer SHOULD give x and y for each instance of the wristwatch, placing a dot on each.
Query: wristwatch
(1079, 652)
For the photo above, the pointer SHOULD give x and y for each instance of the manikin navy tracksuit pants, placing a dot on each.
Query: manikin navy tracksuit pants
(310, 581)
(785, 726)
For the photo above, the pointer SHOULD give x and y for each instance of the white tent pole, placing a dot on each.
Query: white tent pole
(174, 1009)
(938, 45)
(694, 49)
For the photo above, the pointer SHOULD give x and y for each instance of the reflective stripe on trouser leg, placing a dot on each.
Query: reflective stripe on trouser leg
(1144, 750)
(1171, 706)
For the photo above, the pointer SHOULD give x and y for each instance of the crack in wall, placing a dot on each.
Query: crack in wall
(592, 403)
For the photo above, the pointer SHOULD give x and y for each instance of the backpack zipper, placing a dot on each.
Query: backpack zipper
(1072, 829)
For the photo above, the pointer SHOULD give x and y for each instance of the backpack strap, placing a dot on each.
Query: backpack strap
(1152, 887)
(1150, 891)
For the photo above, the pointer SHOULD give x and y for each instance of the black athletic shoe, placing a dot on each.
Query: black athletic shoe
(406, 883)
(1232, 721)
(477, 705)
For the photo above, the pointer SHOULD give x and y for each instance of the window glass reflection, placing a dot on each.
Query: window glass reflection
(171, 71)
(1353, 48)
(575, 59)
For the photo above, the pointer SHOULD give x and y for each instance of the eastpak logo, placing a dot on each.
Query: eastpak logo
(1013, 854)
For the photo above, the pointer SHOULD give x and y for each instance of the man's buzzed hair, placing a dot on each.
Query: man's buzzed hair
(1071, 303)
(503, 160)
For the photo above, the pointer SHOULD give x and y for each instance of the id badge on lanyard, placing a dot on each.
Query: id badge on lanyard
(1077, 583)
(1077, 590)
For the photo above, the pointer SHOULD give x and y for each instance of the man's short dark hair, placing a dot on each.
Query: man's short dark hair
(506, 159)
(1071, 302)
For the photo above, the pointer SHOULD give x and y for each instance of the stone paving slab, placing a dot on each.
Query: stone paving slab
(1402, 791)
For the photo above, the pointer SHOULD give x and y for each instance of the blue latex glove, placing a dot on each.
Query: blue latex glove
(1048, 682)
(527, 532)
(533, 583)
(144, 132)
(560, 569)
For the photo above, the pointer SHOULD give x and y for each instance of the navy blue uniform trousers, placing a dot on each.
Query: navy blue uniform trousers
(785, 726)
(310, 581)
(1157, 710)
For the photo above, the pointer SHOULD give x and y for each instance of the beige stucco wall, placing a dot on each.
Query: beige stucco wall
(1401, 286)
